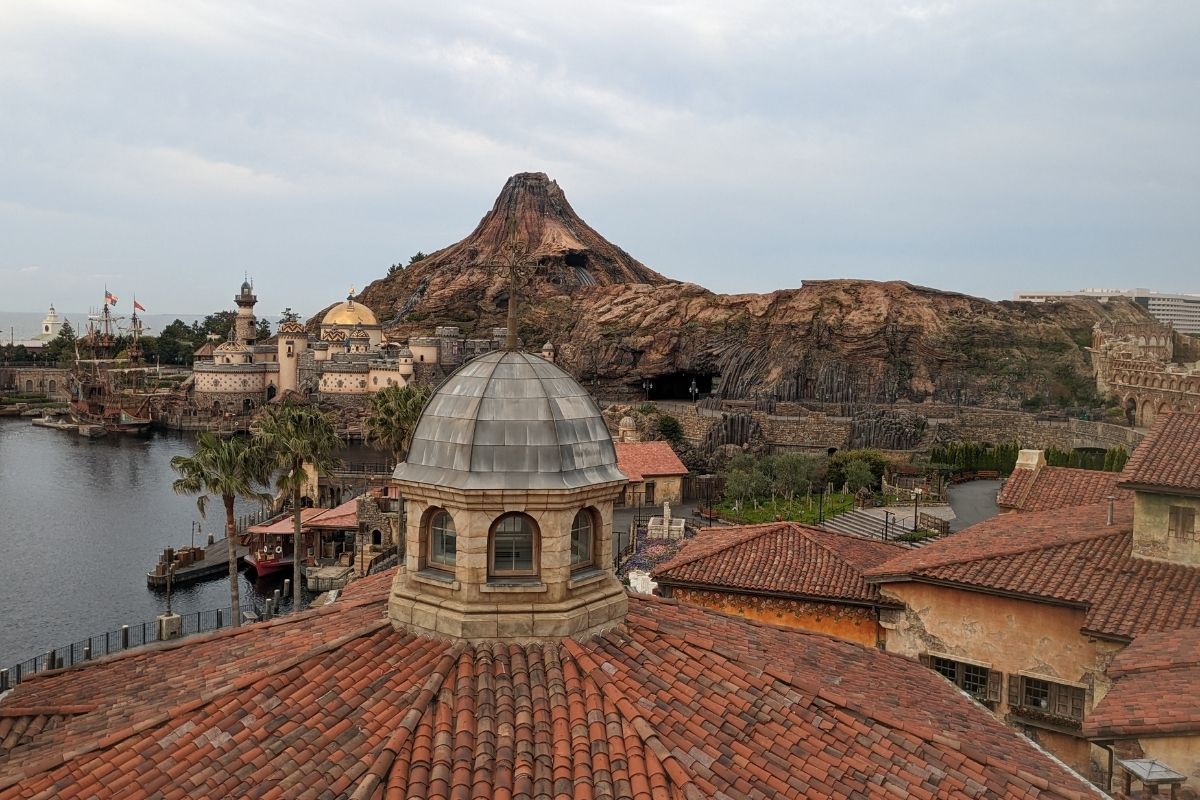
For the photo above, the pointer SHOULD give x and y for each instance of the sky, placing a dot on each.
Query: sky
(167, 149)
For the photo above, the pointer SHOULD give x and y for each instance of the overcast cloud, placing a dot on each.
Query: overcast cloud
(166, 148)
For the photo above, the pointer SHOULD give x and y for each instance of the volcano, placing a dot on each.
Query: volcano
(532, 218)
(619, 325)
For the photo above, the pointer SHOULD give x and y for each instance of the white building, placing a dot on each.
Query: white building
(1180, 311)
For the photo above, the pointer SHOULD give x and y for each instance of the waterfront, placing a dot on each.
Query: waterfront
(81, 521)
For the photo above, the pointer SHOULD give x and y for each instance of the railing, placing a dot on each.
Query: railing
(363, 468)
(124, 638)
(928, 522)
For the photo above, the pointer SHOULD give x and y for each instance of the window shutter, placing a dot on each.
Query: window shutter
(1060, 699)
(993, 685)
(1014, 690)
(1078, 697)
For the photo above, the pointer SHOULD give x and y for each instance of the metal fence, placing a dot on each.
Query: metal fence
(124, 638)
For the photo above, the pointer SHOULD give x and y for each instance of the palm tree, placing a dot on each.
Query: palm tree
(228, 468)
(394, 413)
(296, 436)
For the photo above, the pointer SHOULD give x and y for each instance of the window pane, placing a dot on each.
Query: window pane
(975, 680)
(946, 668)
(581, 538)
(442, 539)
(512, 545)
(1037, 693)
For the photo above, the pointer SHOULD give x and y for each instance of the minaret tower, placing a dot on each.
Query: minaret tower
(245, 330)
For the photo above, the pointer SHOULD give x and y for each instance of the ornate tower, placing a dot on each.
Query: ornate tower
(245, 322)
(291, 342)
(509, 489)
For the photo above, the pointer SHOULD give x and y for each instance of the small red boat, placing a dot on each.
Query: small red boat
(270, 554)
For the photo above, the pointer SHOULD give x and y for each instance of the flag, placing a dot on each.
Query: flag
(110, 298)
(138, 305)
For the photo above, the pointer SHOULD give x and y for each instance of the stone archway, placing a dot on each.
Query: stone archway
(1131, 409)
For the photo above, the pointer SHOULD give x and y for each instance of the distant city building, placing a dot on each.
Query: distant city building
(51, 325)
(1180, 311)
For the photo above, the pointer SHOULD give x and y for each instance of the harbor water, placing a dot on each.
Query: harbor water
(81, 522)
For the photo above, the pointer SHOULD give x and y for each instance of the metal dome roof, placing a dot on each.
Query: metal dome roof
(349, 312)
(511, 420)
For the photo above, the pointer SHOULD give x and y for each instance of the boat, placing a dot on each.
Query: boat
(271, 543)
(96, 404)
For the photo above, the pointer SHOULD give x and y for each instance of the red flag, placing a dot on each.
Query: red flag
(110, 298)
(138, 306)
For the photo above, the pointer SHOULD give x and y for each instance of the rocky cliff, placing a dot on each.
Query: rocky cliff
(618, 323)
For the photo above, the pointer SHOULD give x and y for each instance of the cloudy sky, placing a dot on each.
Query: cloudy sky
(165, 148)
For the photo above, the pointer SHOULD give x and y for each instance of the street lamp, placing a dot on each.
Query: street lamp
(916, 506)
(694, 390)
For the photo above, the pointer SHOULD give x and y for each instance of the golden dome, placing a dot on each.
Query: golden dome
(349, 312)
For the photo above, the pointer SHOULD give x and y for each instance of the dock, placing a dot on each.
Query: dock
(194, 564)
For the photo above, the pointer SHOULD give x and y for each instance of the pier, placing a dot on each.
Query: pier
(194, 564)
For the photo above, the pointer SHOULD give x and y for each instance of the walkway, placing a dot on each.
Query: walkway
(973, 501)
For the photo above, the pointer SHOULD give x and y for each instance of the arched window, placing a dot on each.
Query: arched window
(512, 547)
(443, 540)
(53, 387)
(582, 533)
(377, 537)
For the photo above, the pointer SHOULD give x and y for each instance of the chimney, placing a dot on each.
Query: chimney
(1031, 459)
(1111, 501)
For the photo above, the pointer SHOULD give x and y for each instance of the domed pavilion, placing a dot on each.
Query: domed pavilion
(509, 488)
(347, 316)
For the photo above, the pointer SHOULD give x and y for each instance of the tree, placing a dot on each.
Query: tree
(61, 349)
(741, 486)
(229, 468)
(418, 256)
(218, 322)
(670, 429)
(858, 475)
(393, 417)
(794, 473)
(296, 436)
(287, 315)
(176, 343)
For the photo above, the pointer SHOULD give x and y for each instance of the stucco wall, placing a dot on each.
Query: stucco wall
(667, 489)
(1150, 529)
(1180, 753)
(853, 623)
(1013, 636)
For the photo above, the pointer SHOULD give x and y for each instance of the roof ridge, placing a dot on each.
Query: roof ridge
(238, 683)
(750, 532)
(376, 775)
(642, 726)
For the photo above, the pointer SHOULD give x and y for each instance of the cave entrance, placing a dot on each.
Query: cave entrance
(676, 386)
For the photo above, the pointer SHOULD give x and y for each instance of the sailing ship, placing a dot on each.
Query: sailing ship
(97, 405)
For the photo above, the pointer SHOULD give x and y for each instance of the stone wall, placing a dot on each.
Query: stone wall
(50, 381)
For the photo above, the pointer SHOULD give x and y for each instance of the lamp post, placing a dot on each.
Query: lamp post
(694, 391)
(916, 506)
(647, 385)
(821, 507)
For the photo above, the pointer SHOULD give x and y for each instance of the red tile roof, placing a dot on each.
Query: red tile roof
(638, 460)
(1155, 689)
(1048, 488)
(283, 524)
(1169, 456)
(780, 557)
(1070, 557)
(681, 702)
(339, 517)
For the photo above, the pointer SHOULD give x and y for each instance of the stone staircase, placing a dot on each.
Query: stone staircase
(867, 526)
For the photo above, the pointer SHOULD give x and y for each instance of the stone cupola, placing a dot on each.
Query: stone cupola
(509, 488)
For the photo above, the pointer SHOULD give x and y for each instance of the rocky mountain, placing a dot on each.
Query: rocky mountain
(619, 324)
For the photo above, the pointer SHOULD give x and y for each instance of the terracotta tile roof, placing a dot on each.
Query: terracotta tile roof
(681, 702)
(283, 523)
(1072, 557)
(638, 460)
(1049, 488)
(339, 517)
(1155, 688)
(1169, 456)
(781, 557)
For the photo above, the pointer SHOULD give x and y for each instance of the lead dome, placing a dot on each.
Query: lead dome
(511, 420)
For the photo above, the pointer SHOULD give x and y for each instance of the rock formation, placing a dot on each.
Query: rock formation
(616, 322)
